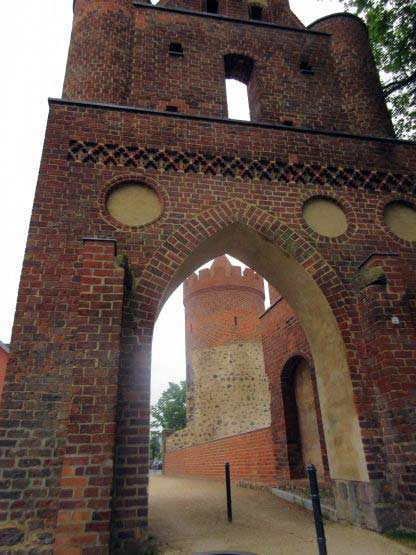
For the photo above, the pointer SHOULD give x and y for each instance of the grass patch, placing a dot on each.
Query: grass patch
(404, 537)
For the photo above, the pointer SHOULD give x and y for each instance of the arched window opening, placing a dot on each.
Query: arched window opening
(176, 49)
(238, 72)
(212, 6)
(293, 441)
(256, 13)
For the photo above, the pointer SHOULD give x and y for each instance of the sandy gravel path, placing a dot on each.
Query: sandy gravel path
(189, 515)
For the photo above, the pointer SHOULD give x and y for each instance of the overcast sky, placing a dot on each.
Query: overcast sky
(34, 38)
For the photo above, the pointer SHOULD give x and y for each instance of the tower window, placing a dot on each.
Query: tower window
(306, 68)
(256, 13)
(171, 108)
(176, 49)
(238, 70)
(212, 6)
(235, 320)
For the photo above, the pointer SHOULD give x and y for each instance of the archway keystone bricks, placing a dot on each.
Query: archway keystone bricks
(74, 415)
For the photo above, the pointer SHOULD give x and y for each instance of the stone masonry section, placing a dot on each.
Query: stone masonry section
(361, 333)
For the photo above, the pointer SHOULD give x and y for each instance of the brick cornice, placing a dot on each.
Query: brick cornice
(225, 121)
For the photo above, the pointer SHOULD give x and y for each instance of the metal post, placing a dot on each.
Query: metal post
(228, 486)
(317, 512)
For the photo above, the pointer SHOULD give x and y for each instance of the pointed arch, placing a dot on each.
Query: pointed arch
(302, 276)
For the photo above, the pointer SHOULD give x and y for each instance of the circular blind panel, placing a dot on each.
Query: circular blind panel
(134, 204)
(325, 217)
(400, 218)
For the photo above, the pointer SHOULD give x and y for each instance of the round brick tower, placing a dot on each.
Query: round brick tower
(100, 54)
(228, 390)
(357, 73)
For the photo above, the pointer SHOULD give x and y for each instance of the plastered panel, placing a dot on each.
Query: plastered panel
(308, 424)
(401, 219)
(134, 204)
(325, 217)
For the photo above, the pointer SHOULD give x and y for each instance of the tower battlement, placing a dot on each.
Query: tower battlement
(223, 275)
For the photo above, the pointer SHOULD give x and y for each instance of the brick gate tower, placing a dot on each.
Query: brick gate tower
(143, 178)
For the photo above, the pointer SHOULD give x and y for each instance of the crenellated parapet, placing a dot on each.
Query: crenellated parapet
(222, 275)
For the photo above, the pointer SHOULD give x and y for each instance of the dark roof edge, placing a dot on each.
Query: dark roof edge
(339, 14)
(373, 254)
(4, 347)
(225, 121)
(278, 301)
(227, 18)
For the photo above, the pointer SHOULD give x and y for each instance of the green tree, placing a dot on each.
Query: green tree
(155, 451)
(170, 411)
(392, 29)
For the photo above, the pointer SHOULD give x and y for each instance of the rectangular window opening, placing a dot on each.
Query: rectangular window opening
(237, 100)
(212, 6)
(256, 13)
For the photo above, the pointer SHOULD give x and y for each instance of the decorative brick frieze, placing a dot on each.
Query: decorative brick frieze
(92, 153)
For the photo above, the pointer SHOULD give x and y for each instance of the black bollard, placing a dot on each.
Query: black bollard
(228, 486)
(317, 512)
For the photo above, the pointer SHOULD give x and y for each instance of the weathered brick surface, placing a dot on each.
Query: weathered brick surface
(4, 357)
(111, 60)
(210, 175)
(87, 467)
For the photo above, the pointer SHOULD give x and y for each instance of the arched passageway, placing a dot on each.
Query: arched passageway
(297, 284)
(309, 285)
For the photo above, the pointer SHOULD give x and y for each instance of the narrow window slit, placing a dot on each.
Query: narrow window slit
(306, 68)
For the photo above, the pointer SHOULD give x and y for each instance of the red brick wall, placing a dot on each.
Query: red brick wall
(4, 357)
(88, 466)
(250, 455)
(226, 304)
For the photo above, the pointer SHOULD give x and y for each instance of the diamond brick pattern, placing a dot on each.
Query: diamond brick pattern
(92, 153)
